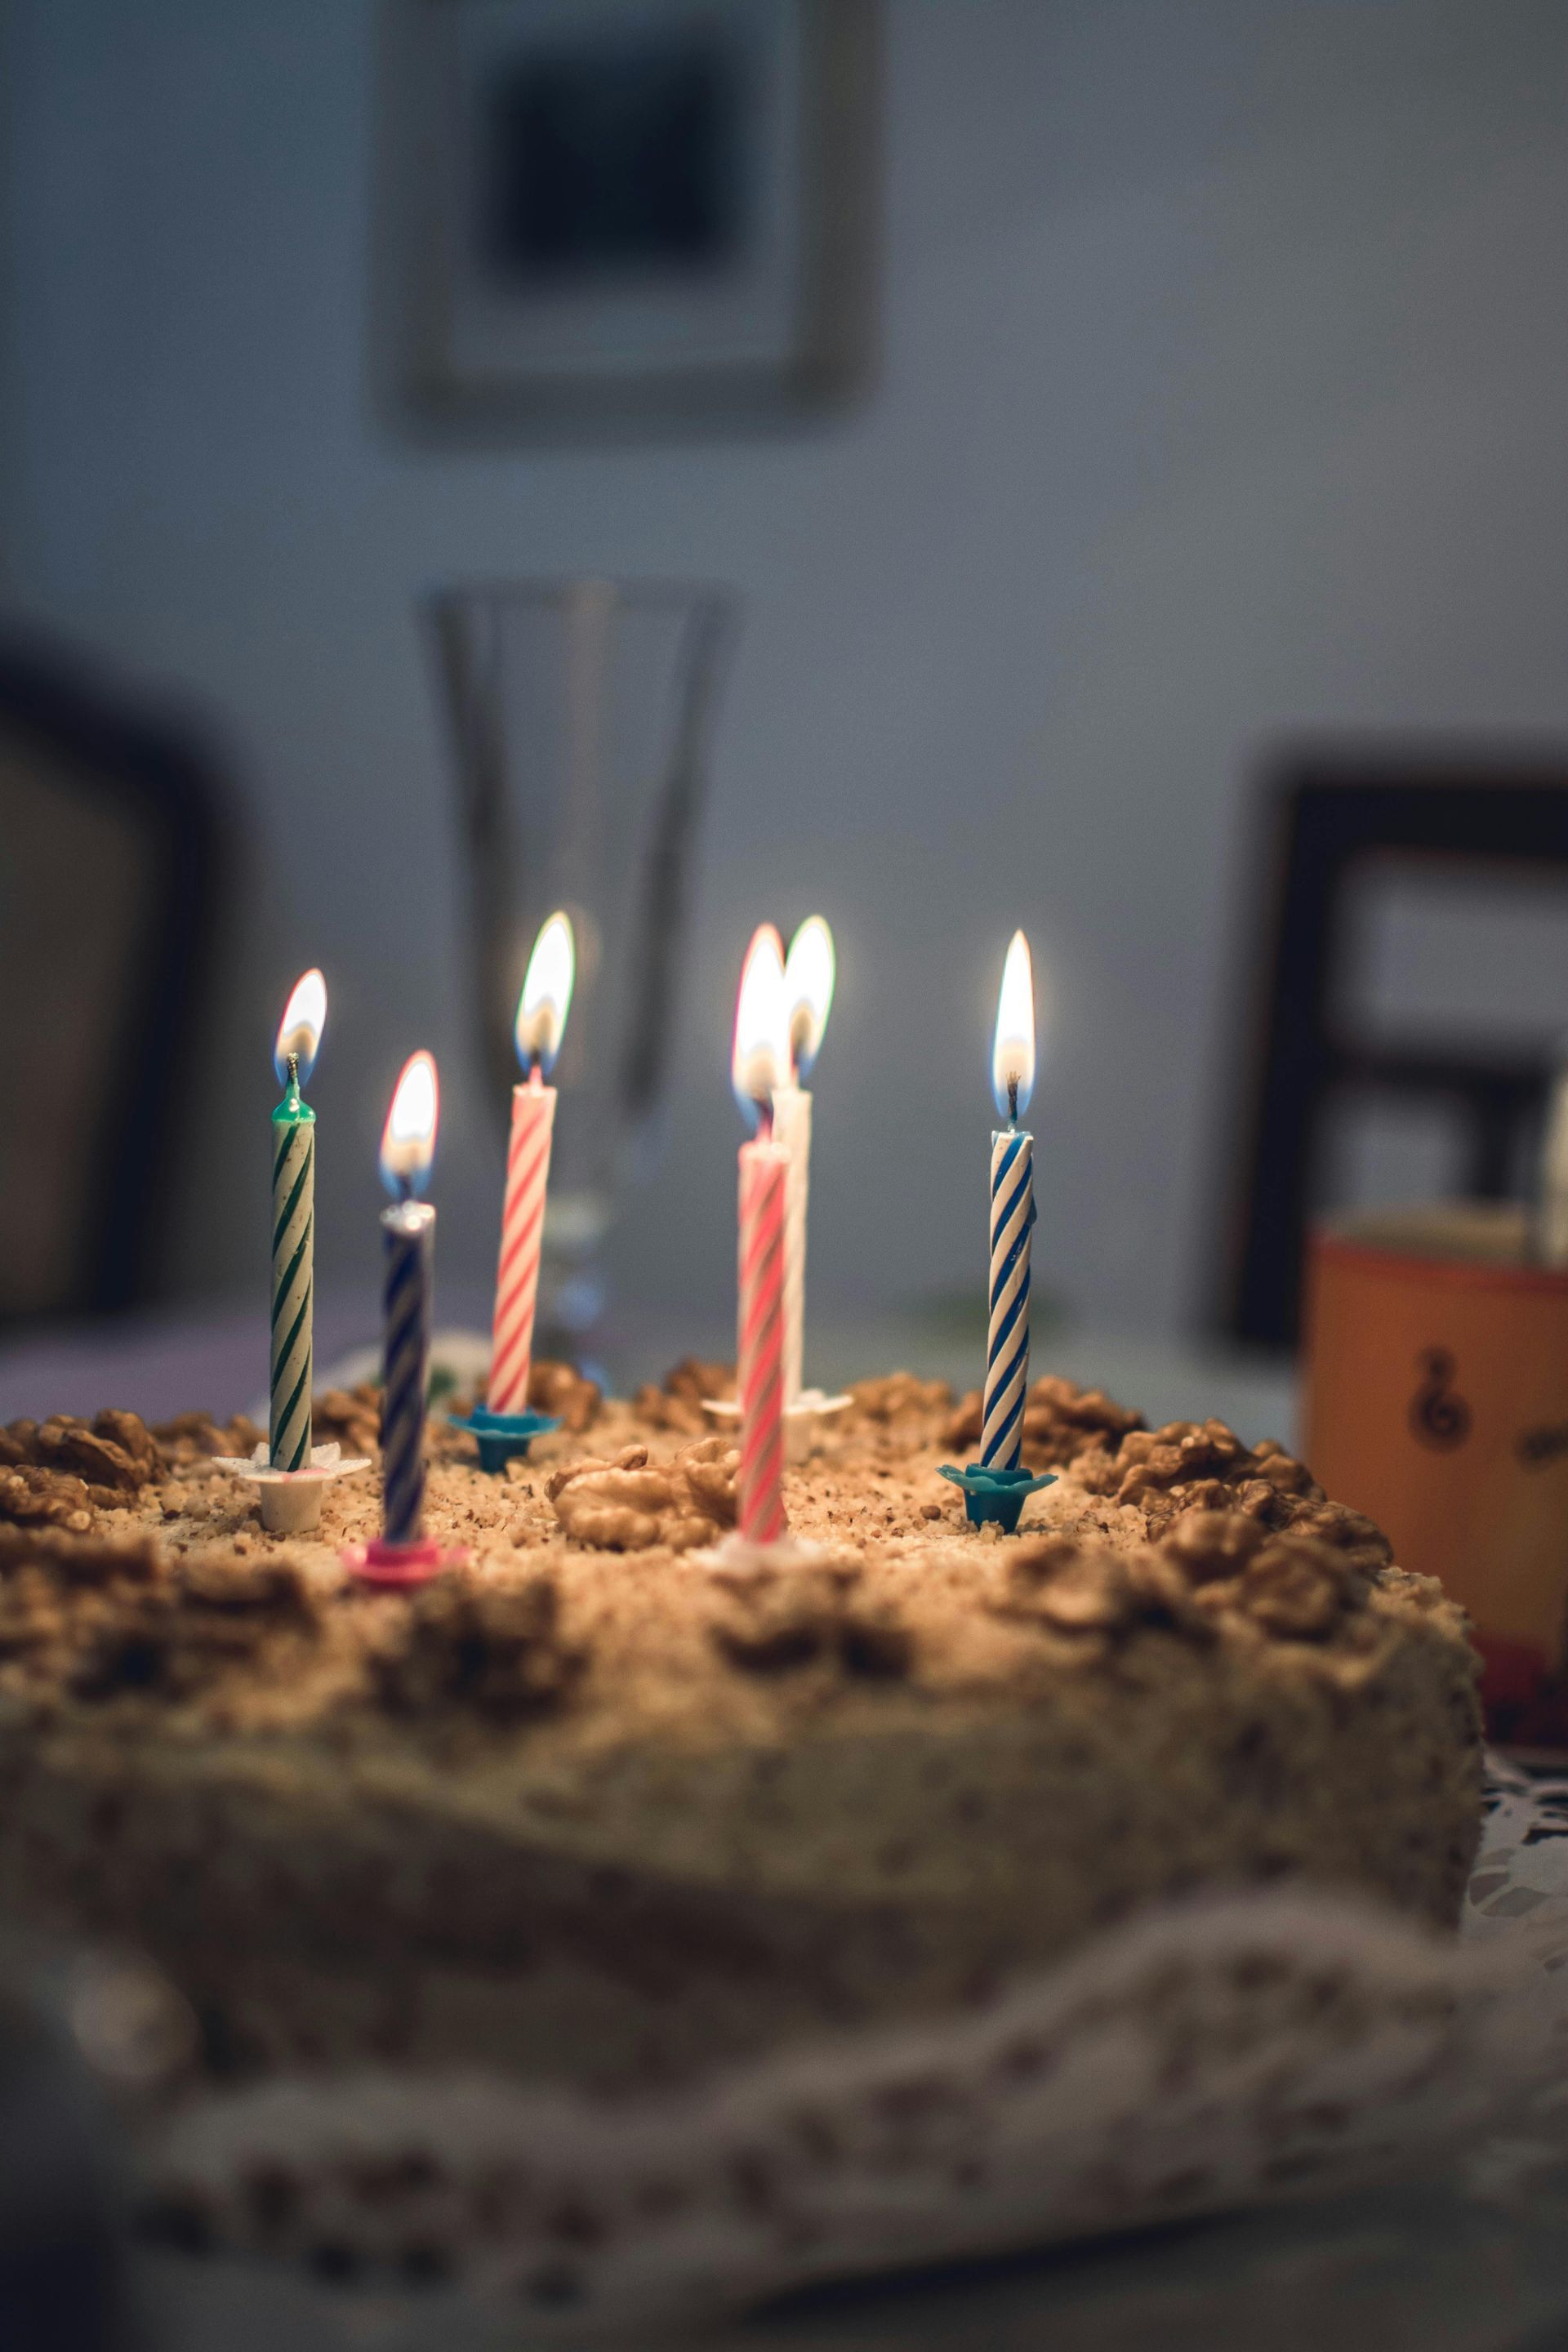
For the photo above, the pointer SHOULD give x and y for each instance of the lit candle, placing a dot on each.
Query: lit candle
(808, 976)
(1012, 1215)
(294, 1225)
(541, 1020)
(759, 1061)
(408, 1228)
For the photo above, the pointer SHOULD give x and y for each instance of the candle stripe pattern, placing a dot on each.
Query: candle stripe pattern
(1008, 1344)
(522, 1233)
(765, 1170)
(293, 1235)
(409, 1230)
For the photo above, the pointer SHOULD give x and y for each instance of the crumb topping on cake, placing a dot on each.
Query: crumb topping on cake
(621, 1795)
(598, 1606)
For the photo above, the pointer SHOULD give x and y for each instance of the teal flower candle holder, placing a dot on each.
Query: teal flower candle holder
(995, 1495)
(502, 1435)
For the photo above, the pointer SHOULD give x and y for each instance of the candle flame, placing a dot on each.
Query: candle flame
(299, 1031)
(759, 1061)
(809, 971)
(546, 998)
(1013, 1055)
(408, 1139)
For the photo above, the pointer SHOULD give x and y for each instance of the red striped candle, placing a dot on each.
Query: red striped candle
(522, 1231)
(764, 1172)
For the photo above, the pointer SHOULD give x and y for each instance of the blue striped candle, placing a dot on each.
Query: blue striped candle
(408, 1232)
(1007, 1341)
(1012, 1215)
(408, 1236)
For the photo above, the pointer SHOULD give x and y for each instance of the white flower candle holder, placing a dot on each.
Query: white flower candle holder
(803, 1419)
(290, 1500)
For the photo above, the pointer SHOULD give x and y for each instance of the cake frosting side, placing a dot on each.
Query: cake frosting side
(610, 1805)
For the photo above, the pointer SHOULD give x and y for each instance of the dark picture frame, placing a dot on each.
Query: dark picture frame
(596, 211)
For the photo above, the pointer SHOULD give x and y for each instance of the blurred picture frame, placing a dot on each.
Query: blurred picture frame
(603, 212)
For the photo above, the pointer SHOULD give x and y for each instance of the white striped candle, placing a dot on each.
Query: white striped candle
(791, 1131)
(809, 971)
(1007, 1336)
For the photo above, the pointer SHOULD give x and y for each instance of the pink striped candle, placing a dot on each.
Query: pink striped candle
(759, 1065)
(540, 1019)
(521, 1231)
(765, 1175)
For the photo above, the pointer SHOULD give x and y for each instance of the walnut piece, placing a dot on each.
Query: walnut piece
(1363, 1544)
(627, 1504)
(350, 1417)
(1296, 1588)
(562, 1390)
(898, 1397)
(194, 1437)
(677, 1402)
(1192, 1465)
(1207, 1544)
(64, 1443)
(31, 1496)
(1212, 1566)
(61, 1469)
(1061, 1422)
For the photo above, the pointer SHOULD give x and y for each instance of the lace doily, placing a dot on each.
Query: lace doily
(1198, 2060)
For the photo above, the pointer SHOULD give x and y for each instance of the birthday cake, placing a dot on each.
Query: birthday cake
(618, 1799)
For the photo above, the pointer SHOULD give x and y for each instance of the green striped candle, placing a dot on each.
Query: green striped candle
(294, 1226)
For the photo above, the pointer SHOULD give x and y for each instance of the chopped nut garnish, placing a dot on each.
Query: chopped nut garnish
(1061, 1422)
(677, 1402)
(626, 1504)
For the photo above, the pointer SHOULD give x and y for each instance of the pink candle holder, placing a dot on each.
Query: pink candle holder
(397, 1566)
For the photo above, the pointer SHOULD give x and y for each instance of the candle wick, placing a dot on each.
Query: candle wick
(764, 1118)
(535, 1074)
(1012, 1102)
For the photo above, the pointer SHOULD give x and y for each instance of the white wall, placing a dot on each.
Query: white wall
(1225, 356)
